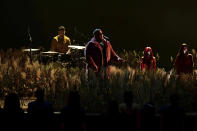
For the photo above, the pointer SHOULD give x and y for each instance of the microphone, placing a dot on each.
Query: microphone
(107, 38)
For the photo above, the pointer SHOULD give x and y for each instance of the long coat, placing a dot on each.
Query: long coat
(148, 63)
(184, 64)
(95, 56)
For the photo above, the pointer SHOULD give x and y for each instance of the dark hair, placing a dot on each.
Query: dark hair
(128, 97)
(181, 49)
(61, 28)
(96, 31)
(74, 98)
(39, 93)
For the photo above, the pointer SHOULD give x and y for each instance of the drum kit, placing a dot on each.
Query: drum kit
(74, 58)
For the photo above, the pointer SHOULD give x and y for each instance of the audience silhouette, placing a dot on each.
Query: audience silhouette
(112, 118)
(172, 116)
(130, 112)
(13, 115)
(148, 119)
(40, 112)
(72, 116)
(125, 116)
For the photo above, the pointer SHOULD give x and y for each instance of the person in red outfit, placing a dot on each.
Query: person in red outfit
(184, 61)
(99, 53)
(148, 61)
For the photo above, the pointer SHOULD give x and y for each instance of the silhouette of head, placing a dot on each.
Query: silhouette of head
(149, 108)
(74, 98)
(113, 107)
(128, 98)
(39, 94)
(12, 102)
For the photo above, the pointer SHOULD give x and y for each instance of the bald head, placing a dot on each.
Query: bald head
(98, 34)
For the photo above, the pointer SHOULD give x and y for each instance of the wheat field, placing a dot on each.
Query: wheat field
(21, 75)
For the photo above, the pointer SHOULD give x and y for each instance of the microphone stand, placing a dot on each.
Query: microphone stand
(30, 43)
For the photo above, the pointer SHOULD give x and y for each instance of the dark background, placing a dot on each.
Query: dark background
(130, 24)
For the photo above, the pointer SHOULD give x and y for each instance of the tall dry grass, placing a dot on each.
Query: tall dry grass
(18, 74)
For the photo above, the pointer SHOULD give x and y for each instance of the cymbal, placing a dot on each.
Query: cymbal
(76, 47)
(50, 52)
(31, 50)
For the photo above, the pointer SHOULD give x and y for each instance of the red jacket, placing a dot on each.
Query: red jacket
(184, 64)
(94, 55)
(148, 61)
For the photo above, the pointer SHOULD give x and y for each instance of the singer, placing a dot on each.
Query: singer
(99, 53)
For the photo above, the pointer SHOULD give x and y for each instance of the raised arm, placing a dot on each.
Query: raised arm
(115, 56)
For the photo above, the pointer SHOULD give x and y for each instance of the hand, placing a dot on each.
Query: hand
(96, 68)
(121, 60)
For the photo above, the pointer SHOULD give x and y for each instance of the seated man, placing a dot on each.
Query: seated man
(99, 53)
(61, 41)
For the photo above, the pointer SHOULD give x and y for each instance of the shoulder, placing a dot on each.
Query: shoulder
(154, 59)
(163, 109)
(178, 57)
(142, 58)
(107, 43)
(32, 104)
(65, 110)
(48, 104)
(190, 55)
(90, 44)
(55, 38)
(136, 106)
(67, 38)
(122, 106)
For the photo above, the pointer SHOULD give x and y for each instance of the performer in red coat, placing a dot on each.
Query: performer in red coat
(99, 53)
(148, 61)
(184, 61)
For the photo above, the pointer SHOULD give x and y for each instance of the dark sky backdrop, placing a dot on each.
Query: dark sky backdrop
(130, 24)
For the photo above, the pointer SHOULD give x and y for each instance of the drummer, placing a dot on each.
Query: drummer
(60, 42)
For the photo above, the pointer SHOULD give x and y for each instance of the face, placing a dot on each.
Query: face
(61, 33)
(99, 36)
(148, 52)
(185, 50)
